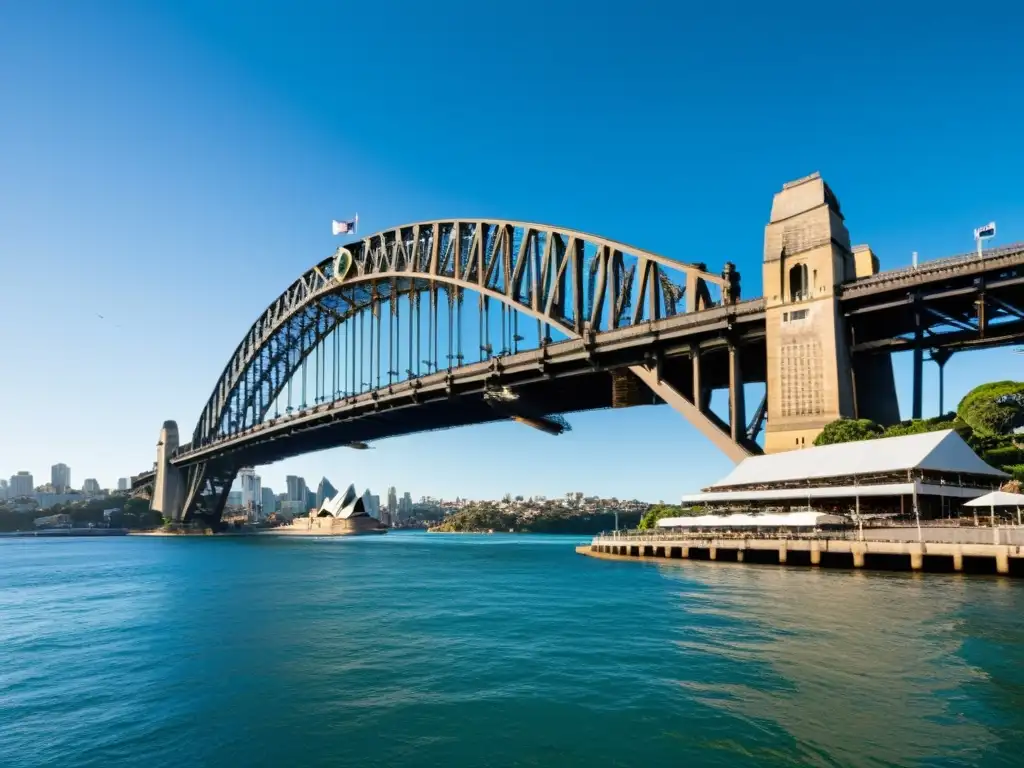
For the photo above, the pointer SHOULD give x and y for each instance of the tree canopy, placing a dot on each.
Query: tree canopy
(847, 431)
(993, 409)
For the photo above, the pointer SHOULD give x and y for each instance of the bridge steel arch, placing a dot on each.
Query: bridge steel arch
(576, 283)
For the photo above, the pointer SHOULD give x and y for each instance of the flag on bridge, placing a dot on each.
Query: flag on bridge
(983, 233)
(345, 227)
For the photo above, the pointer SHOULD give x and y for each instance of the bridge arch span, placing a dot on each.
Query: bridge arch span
(566, 280)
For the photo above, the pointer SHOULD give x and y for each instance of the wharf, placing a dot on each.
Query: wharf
(894, 552)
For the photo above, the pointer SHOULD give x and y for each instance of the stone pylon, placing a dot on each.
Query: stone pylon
(168, 488)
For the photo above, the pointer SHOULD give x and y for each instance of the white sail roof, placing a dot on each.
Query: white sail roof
(344, 505)
(943, 451)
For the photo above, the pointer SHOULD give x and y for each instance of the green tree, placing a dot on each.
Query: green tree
(993, 409)
(935, 424)
(848, 430)
(650, 519)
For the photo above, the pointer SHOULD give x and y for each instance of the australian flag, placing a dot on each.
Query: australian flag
(345, 227)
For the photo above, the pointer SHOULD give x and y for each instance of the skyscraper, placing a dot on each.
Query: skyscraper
(296, 488)
(124, 484)
(406, 506)
(21, 485)
(91, 485)
(371, 504)
(60, 478)
(269, 501)
(297, 493)
(252, 488)
(4, 489)
(324, 491)
(393, 502)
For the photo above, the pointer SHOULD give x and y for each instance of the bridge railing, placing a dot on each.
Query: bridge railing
(941, 263)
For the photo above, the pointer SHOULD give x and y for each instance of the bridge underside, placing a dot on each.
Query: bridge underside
(941, 309)
(581, 383)
(433, 410)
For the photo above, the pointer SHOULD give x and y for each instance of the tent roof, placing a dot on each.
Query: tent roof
(839, 491)
(997, 499)
(943, 451)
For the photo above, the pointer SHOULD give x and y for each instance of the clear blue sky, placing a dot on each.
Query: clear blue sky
(173, 165)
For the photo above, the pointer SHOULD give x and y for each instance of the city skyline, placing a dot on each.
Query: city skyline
(60, 480)
(247, 128)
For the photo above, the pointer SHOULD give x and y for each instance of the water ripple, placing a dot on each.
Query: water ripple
(410, 650)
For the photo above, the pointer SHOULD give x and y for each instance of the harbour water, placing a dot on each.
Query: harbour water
(419, 649)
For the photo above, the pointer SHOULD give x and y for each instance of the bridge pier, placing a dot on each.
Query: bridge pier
(811, 370)
(916, 399)
(168, 487)
(737, 403)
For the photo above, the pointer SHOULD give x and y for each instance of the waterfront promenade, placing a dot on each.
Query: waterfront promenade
(997, 550)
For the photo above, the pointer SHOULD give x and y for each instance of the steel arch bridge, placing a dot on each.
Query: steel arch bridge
(392, 308)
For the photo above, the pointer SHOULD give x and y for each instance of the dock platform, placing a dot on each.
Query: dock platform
(819, 551)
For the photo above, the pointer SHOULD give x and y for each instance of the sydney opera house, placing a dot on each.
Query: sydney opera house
(345, 515)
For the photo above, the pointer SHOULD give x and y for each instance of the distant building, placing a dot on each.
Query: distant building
(324, 491)
(53, 521)
(296, 488)
(60, 478)
(310, 500)
(91, 485)
(21, 485)
(371, 503)
(268, 501)
(393, 502)
(292, 508)
(47, 500)
(124, 484)
(4, 489)
(252, 488)
(405, 508)
(234, 498)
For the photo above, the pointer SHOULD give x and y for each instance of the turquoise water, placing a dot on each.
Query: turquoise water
(427, 650)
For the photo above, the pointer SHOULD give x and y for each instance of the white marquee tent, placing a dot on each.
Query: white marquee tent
(998, 499)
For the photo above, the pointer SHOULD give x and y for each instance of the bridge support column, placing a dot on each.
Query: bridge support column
(168, 487)
(916, 407)
(1003, 560)
(858, 552)
(940, 357)
(710, 425)
(737, 403)
(815, 554)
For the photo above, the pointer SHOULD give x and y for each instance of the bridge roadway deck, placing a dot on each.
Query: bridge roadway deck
(880, 308)
(829, 551)
(563, 377)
